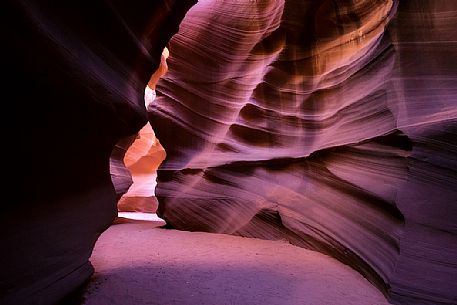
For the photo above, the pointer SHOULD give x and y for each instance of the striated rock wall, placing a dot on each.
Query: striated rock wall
(75, 77)
(425, 38)
(332, 124)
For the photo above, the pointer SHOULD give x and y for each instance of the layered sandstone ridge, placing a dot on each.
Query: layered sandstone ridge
(331, 124)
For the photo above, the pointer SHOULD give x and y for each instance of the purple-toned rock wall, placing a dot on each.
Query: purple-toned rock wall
(332, 124)
(73, 80)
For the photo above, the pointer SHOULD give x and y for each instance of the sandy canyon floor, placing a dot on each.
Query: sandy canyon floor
(137, 263)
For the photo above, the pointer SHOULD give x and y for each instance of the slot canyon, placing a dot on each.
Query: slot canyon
(303, 151)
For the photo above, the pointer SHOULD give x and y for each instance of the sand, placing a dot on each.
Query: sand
(138, 263)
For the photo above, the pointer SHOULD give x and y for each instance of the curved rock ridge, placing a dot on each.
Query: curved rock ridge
(331, 124)
(75, 77)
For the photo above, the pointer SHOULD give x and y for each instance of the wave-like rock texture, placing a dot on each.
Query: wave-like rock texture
(75, 77)
(328, 123)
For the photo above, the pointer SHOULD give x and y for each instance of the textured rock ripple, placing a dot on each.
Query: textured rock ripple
(328, 123)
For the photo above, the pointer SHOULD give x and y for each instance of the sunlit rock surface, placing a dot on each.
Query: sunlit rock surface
(73, 80)
(134, 172)
(332, 124)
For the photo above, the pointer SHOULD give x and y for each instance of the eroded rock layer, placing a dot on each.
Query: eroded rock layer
(328, 123)
(74, 75)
